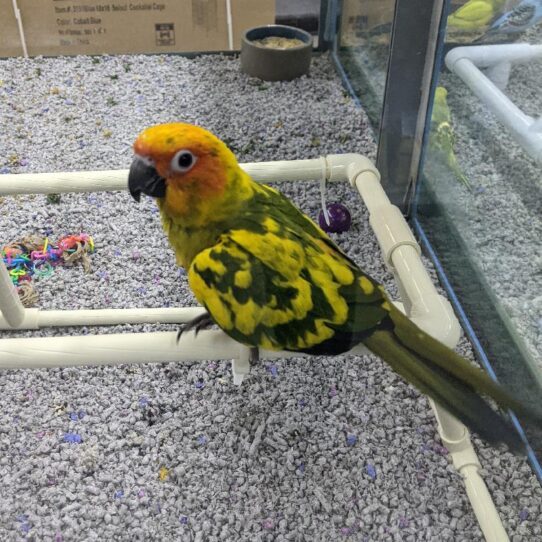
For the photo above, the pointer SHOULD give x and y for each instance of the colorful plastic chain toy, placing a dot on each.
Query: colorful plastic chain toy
(35, 256)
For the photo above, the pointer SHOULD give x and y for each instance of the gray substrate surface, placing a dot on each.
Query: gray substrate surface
(320, 449)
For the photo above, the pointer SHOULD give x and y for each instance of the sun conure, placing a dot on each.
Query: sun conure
(270, 277)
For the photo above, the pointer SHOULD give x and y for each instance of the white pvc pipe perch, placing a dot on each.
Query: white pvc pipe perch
(109, 180)
(37, 318)
(422, 303)
(10, 304)
(127, 348)
(467, 63)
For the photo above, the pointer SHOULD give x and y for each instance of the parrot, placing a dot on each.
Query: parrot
(523, 16)
(475, 15)
(270, 278)
(441, 137)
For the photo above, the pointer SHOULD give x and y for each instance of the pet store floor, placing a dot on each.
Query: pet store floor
(307, 449)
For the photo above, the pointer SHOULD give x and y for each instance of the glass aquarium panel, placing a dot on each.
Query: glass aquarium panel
(480, 194)
(363, 48)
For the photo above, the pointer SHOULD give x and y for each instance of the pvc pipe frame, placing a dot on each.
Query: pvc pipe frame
(466, 62)
(420, 300)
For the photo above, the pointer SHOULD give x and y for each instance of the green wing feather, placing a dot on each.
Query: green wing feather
(277, 281)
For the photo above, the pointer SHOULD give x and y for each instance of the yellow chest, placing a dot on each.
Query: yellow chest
(188, 242)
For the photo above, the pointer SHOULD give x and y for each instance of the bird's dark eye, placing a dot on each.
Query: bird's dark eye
(183, 161)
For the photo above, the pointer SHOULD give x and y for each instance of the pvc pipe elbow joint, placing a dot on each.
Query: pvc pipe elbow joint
(349, 166)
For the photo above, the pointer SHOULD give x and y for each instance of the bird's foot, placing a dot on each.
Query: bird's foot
(200, 322)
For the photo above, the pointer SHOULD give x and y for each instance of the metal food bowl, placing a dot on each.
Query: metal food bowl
(271, 63)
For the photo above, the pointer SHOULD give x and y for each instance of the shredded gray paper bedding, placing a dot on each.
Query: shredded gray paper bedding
(313, 449)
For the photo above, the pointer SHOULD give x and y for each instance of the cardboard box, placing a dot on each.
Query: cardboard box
(72, 27)
(10, 42)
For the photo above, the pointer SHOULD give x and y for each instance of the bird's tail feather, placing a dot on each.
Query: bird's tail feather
(449, 379)
(456, 169)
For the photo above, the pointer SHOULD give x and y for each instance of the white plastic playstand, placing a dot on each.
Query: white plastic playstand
(419, 299)
(489, 85)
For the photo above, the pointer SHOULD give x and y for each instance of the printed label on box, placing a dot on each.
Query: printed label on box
(165, 34)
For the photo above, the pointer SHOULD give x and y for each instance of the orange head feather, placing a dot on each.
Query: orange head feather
(194, 174)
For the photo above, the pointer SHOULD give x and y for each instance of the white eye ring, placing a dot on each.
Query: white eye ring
(183, 161)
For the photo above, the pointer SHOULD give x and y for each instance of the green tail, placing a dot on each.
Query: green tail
(456, 170)
(449, 379)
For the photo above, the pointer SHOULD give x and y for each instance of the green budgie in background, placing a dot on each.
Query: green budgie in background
(442, 137)
(475, 15)
(470, 22)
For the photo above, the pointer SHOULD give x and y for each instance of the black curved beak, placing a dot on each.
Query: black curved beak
(144, 178)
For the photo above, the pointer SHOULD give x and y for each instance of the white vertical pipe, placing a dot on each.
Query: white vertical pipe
(229, 20)
(10, 305)
(240, 366)
(17, 13)
(499, 74)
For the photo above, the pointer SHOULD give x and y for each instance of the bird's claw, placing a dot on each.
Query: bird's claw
(200, 322)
